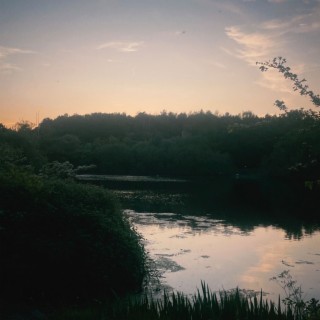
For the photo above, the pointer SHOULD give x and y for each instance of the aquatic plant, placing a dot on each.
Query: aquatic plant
(295, 299)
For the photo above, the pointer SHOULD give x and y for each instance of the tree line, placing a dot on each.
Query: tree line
(200, 144)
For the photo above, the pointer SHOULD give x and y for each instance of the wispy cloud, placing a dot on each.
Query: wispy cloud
(272, 38)
(180, 32)
(7, 68)
(122, 46)
(275, 82)
(217, 64)
(277, 1)
(271, 35)
(253, 46)
(5, 53)
(275, 24)
(261, 46)
(301, 23)
(230, 7)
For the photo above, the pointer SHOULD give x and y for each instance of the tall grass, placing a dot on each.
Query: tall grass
(204, 304)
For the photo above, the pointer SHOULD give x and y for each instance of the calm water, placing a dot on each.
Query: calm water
(188, 249)
(202, 233)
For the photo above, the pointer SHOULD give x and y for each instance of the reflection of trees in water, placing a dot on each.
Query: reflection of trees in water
(218, 204)
(220, 224)
(189, 225)
(244, 203)
(300, 231)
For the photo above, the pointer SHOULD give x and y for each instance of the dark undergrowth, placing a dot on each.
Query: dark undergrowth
(63, 242)
(205, 304)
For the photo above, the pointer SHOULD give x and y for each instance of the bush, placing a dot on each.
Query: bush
(63, 240)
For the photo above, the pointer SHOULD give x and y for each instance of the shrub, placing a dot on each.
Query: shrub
(63, 240)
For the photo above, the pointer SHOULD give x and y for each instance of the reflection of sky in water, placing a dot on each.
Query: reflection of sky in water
(188, 249)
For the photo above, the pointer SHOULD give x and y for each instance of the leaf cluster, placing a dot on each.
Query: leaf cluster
(279, 63)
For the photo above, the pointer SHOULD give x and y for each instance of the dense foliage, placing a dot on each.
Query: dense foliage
(60, 240)
(199, 144)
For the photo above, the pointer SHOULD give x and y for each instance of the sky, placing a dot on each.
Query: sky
(113, 56)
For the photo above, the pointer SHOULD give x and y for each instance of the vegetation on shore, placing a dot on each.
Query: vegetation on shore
(61, 241)
(205, 304)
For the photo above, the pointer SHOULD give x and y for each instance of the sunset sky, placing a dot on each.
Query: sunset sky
(84, 56)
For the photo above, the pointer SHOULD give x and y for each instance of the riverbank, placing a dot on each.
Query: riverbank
(204, 304)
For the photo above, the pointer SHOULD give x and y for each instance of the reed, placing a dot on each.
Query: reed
(204, 304)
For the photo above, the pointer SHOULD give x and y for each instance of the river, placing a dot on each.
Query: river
(197, 233)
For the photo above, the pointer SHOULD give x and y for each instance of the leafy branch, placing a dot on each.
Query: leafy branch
(279, 63)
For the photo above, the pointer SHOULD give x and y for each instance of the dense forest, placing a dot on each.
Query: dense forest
(195, 145)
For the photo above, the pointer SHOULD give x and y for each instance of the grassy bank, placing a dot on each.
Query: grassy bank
(205, 304)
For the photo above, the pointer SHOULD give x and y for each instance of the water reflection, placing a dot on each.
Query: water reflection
(228, 235)
(196, 205)
(188, 249)
(191, 225)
